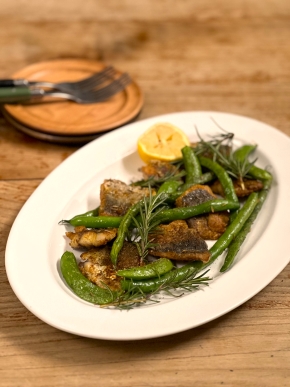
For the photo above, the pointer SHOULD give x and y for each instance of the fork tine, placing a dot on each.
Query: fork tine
(109, 90)
(118, 83)
(90, 82)
(107, 72)
(94, 96)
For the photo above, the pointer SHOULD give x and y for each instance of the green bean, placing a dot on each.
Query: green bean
(73, 221)
(243, 152)
(80, 285)
(214, 205)
(257, 173)
(152, 270)
(165, 215)
(123, 228)
(223, 177)
(205, 178)
(96, 221)
(151, 285)
(235, 245)
(233, 229)
(191, 165)
(94, 212)
(169, 187)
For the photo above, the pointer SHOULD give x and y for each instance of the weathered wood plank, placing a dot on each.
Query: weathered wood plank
(145, 10)
(186, 55)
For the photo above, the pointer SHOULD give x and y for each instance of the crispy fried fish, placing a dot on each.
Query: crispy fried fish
(82, 237)
(117, 197)
(210, 226)
(246, 189)
(157, 169)
(195, 195)
(97, 266)
(177, 241)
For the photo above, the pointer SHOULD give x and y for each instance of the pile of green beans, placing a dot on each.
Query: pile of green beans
(166, 216)
(241, 154)
(237, 242)
(150, 278)
(234, 228)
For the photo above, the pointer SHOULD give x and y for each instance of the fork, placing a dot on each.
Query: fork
(85, 84)
(25, 94)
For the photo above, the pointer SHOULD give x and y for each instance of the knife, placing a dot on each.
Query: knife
(13, 82)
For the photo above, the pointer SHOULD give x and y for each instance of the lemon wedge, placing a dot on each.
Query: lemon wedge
(162, 141)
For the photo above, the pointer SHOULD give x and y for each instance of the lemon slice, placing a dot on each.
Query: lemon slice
(162, 141)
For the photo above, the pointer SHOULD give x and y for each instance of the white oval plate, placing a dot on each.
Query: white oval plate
(36, 241)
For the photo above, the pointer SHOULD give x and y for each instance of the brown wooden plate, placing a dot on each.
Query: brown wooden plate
(53, 138)
(66, 118)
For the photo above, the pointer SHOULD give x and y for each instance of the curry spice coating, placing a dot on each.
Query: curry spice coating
(241, 190)
(157, 169)
(210, 226)
(177, 241)
(88, 238)
(97, 266)
(117, 197)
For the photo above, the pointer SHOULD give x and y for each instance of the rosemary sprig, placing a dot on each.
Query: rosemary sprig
(130, 298)
(146, 223)
(221, 143)
(188, 283)
(154, 181)
(221, 150)
(172, 287)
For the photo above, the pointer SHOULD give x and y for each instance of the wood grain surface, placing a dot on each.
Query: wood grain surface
(221, 55)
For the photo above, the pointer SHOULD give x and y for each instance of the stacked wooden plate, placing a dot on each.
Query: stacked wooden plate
(64, 121)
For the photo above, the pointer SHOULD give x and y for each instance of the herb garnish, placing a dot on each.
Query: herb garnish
(220, 149)
(172, 287)
(146, 223)
(154, 181)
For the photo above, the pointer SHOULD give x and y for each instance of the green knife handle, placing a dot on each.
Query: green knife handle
(14, 94)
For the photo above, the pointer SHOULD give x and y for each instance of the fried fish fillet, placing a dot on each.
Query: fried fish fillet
(241, 190)
(157, 169)
(195, 195)
(210, 226)
(82, 237)
(117, 197)
(97, 266)
(177, 241)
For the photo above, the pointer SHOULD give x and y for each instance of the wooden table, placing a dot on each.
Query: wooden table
(218, 55)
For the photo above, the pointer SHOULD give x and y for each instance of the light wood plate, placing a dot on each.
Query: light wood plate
(58, 139)
(65, 118)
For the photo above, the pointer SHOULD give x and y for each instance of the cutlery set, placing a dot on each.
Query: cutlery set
(101, 98)
(96, 88)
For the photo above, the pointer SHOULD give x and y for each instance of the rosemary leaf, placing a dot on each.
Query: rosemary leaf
(134, 296)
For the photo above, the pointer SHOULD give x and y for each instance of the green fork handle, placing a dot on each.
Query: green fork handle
(15, 94)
